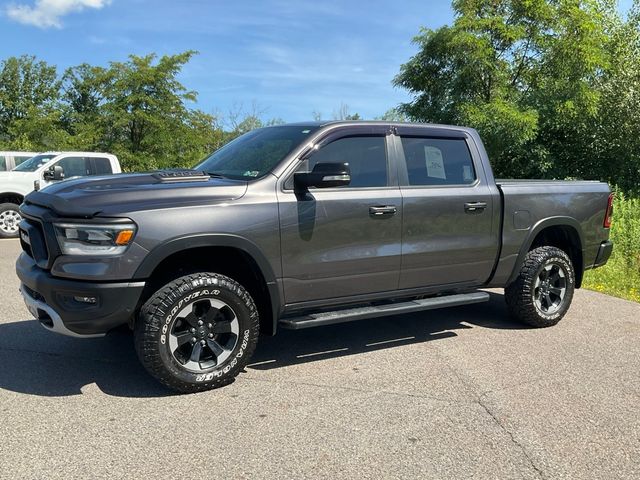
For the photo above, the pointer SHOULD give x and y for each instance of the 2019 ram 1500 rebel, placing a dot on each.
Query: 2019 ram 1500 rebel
(297, 226)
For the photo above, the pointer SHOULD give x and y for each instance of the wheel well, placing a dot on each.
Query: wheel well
(11, 198)
(565, 238)
(229, 261)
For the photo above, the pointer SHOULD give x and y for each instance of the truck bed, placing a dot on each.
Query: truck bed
(526, 207)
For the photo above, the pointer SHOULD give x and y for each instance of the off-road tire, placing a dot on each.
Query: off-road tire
(520, 295)
(160, 313)
(9, 207)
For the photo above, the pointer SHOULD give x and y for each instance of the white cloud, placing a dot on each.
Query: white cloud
(48, 13)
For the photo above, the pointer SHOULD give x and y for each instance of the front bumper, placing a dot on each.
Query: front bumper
(604, 252)
(54, 301)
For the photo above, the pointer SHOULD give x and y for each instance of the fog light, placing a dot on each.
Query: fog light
(85, 299)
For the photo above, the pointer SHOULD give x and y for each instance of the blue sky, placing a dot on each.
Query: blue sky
(289, 57)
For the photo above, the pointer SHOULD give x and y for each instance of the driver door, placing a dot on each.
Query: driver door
(334, 242)
(72, 167)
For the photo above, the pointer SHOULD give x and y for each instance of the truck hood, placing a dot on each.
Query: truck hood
(120, 194)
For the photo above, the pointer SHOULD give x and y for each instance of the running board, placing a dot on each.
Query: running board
(362, 313)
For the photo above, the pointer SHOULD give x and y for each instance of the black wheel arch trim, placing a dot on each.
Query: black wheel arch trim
(560, 221)
(188, 242)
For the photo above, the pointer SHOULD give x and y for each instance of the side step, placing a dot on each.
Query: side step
(362, 313)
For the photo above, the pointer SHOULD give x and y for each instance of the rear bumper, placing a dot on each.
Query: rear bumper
(57, 303)
(604, 252)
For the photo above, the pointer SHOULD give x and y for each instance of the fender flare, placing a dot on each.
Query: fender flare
(560, 221)
(188, 242)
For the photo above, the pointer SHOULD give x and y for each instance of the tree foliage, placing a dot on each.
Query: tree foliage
(540, 80)
(137, 109)
(25, 85)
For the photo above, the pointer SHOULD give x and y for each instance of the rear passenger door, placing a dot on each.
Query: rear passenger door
(338, 242)
(450, 229)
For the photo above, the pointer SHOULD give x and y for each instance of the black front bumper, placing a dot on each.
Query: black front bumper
(57, 303)
(604, 252)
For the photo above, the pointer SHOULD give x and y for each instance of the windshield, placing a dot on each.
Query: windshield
(34, 163)
(255, 153)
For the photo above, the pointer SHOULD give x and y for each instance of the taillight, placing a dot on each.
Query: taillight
(608, 216)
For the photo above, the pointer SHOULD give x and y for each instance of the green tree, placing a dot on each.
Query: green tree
(83, 89)
(523, 72)
(82, 99)
(612, 140)
(393, 115)
(343, 113)
(146, 116)
(137, 109)
(29, 93)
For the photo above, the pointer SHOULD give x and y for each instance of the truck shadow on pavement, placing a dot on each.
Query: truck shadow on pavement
(290, 347)
(37, 362)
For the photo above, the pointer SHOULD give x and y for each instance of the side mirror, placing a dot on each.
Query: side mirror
(54, 173)
(323, 175)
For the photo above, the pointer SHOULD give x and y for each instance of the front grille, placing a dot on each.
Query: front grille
(32, 240)
(26, 247)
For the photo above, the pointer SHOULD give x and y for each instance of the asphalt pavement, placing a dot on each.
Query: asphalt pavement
(456, 393)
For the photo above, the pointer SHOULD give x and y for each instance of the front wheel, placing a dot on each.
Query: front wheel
(9, 219)
(197, 332)
(542, 292)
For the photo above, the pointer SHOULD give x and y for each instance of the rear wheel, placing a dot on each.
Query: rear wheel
(9, 219)
(197, 332)
(542, 293)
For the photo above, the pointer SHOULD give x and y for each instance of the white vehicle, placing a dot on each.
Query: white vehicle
(41, 170)
(10, 160)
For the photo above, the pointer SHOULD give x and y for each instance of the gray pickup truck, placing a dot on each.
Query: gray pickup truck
(298, 226)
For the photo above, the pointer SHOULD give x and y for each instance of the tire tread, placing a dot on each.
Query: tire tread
(149, 324)
(518, 294)
(9, 206)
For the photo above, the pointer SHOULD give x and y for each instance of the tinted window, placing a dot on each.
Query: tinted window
(74, 166)
(433, 161)
(3, 163)
(102, 166)
(366, 157)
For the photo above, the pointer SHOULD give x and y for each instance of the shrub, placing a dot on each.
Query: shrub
(621, 275)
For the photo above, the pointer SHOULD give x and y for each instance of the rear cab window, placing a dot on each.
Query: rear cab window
(101, 166)
(438, 161)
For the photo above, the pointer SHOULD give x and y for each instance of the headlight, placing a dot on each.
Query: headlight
(89, 239)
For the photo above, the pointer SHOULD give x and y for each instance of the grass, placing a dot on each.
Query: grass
(621, 275)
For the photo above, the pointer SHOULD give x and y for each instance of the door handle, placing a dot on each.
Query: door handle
(472, 207)
(386, 210)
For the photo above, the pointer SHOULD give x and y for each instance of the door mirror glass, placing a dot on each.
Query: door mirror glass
(323, 175)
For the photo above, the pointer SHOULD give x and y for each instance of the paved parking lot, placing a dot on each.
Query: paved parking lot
(457, 393)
